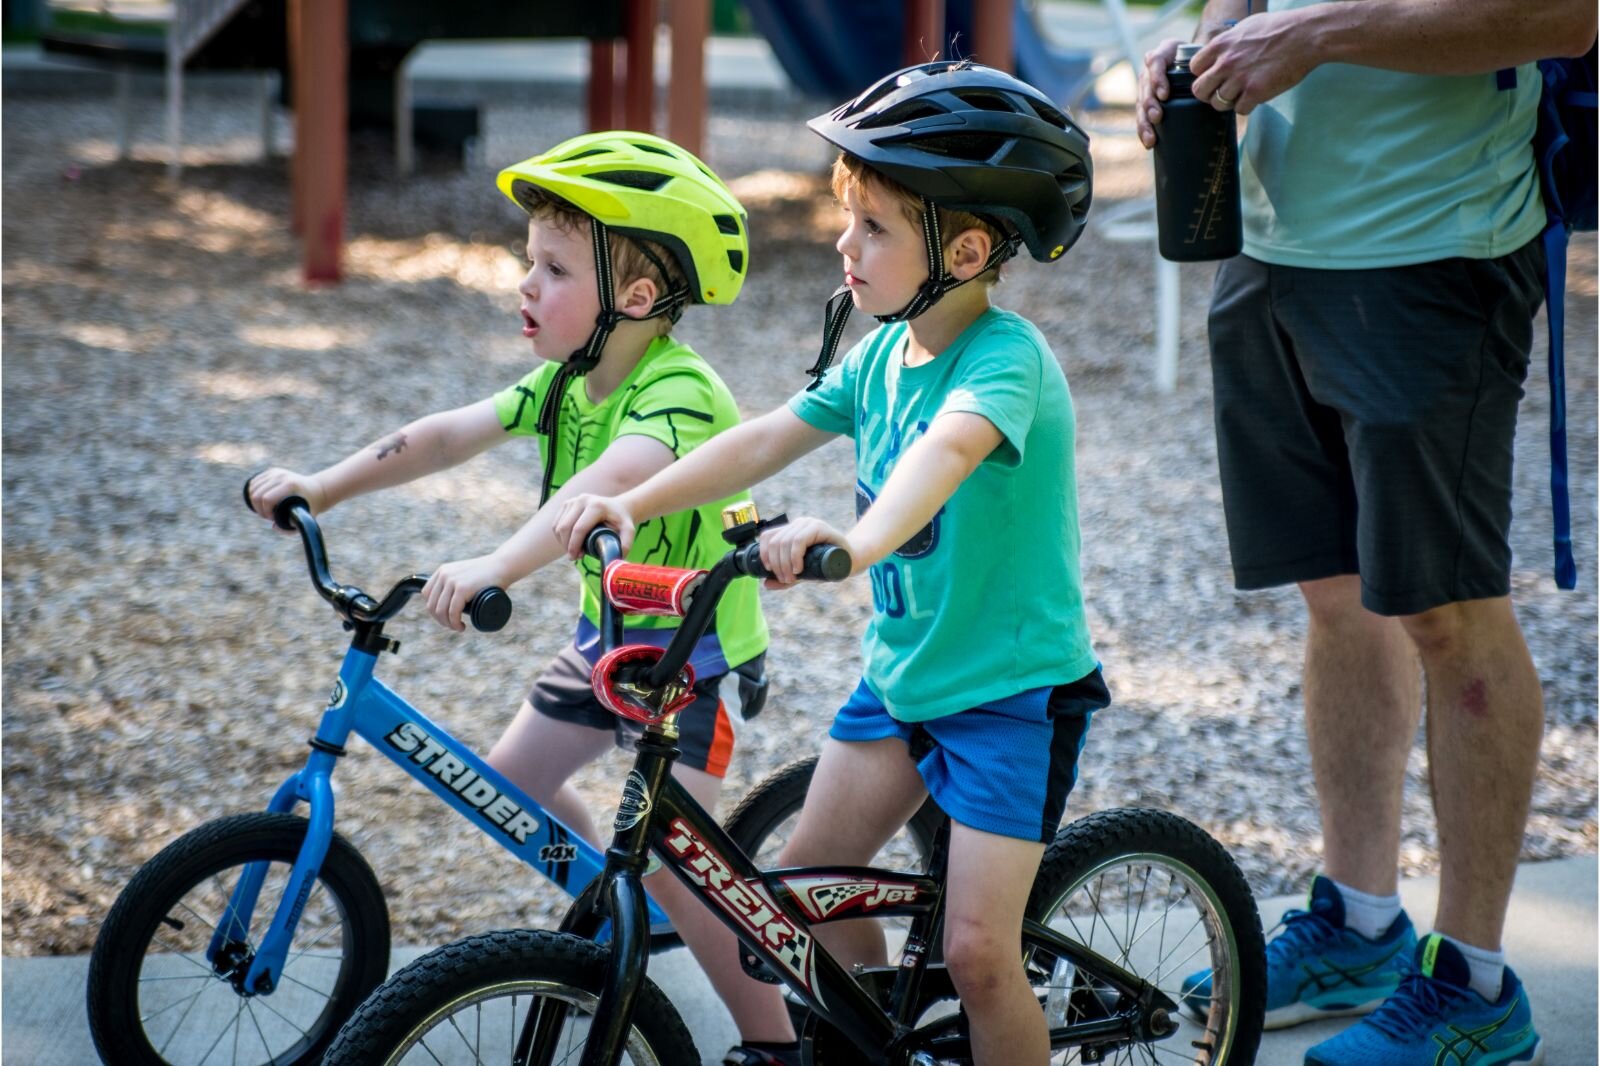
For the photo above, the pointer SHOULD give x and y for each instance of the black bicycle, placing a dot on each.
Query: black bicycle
(1125, 904)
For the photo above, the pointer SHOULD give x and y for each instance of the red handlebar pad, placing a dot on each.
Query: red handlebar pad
(624, 695)
(635, 588)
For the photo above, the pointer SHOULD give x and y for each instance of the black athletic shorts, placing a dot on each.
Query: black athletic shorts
(705, 729)
(1365, 421)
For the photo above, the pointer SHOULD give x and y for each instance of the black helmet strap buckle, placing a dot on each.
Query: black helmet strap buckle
(940, 281)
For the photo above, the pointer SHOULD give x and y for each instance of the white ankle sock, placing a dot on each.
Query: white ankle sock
(1488, 969)
(1367, 914)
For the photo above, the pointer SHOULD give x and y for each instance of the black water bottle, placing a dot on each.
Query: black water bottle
(1197, 173)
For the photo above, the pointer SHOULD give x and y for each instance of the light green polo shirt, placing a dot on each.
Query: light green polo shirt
(1356, 168)
(672, 396)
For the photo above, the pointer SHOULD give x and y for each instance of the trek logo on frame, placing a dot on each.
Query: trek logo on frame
(411, 740)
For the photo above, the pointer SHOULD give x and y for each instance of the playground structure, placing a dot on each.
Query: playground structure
(349, 58)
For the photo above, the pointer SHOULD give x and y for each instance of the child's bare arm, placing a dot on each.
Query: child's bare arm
(728, 463)
(923, 480)
(629, 461)
(428, 445)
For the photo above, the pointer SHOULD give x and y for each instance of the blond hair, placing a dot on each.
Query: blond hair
(850, 172)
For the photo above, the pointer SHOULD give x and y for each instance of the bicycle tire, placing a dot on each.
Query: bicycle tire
(154, 1000)
(435, 994)
(779, 797)
(1172, 860)
(1087, 852)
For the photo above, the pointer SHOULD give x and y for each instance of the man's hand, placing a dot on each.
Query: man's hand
(579, 515)
(1243, 67)
(783, 548)
(452, 586)
(270, 487)
(1153, 89)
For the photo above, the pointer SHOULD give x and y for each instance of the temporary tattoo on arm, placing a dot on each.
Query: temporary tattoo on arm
(392, 446)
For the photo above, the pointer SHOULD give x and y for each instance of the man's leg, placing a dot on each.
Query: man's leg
(539, 753)
(1485, 723)
(1363, 700)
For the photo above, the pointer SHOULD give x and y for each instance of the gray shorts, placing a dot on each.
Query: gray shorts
(705, 729)
(1365, 421)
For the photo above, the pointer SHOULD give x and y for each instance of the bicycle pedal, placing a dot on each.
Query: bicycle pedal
(754, 967)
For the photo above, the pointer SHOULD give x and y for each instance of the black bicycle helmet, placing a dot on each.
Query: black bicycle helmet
(974, 139)
(968, 138)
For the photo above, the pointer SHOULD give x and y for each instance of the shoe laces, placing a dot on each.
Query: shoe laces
(1416, 1005)
(1302, 931)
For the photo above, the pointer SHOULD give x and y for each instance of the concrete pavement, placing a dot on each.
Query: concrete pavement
(1550, 941)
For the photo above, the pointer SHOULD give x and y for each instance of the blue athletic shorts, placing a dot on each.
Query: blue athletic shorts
(1006, 767)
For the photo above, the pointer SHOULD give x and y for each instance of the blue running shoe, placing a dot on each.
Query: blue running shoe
(1316, 968)
(1434, 1019)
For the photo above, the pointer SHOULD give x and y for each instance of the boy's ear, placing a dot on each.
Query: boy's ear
(637, 297)
(966, 254)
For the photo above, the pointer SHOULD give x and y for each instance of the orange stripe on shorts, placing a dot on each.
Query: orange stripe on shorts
(721, 752)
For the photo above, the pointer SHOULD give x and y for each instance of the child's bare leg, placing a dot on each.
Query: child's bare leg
(986, 895)
(861, 793)
(757, 1008)
(539, 753)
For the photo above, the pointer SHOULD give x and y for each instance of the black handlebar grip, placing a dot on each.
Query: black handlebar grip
(490, 610)
(823, 562)
(593, 543)
(281, 512)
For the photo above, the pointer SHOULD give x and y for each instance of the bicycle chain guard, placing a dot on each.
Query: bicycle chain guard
(618, 680)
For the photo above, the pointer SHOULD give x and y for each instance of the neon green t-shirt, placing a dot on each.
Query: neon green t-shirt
(672, 396)
(985, 602)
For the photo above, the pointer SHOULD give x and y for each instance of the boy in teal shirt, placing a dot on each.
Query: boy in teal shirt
(977, 658)
(626, 229)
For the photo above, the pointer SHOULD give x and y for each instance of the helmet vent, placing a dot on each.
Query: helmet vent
(586, 153)
(1049, 114)
(736, 260)
(727, 224)
(654, 148)
(987, 101)
(899, 116)
(634, 179)
(977, 147)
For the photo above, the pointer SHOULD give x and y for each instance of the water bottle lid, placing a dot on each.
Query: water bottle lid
(1186, 52)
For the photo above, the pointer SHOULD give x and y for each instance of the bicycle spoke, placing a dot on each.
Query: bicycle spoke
(280, 1015)
(309, 988)
(423, 1044)
(181, 1018)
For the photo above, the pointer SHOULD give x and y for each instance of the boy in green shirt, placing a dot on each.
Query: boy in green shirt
(977, 658)
(626, 230)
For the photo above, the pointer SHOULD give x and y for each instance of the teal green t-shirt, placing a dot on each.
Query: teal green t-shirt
(985, 602)
(672, 396)
(1359, 168)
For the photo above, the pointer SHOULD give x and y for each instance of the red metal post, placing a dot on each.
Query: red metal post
(991, 34)
(686, 96)
(924, 39)
(602, 96)
(639, 91)
(321, 120)
(297, 68)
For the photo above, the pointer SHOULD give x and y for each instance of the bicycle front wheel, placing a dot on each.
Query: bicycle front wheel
(1159, 897)
(154, 997)
(468, 1002)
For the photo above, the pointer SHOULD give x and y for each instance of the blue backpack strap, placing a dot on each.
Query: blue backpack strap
(1555, 281)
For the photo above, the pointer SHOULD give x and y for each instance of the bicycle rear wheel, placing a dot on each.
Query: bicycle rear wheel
(155, 999)
(1158, 896)
(466, 1003)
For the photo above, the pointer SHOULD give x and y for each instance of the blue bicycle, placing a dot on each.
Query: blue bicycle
(252, 938)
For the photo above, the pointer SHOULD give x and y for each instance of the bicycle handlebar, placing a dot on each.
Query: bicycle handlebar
(489, 610)
(823, 562)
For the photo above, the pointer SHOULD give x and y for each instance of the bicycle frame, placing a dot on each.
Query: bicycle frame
(771, 913)
(365, 706)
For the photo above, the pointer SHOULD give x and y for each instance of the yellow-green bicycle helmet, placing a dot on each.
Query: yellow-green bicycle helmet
(640, 185)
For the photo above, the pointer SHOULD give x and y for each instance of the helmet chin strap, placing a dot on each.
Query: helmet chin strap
(585, 359)
(939, 282)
